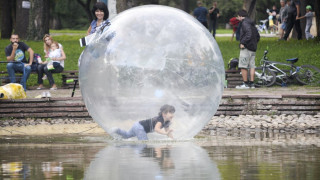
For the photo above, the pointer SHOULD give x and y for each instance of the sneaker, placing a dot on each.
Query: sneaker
(44, 77)
(48, 95)
(243, 86)
(43, 95)
(252, 86)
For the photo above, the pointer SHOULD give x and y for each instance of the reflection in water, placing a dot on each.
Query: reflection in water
(152, 161)
(229, 156)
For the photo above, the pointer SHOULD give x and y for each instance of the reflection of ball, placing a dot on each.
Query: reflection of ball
(148, 57)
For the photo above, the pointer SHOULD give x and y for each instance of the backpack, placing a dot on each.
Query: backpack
(233, 63)
(35, 63)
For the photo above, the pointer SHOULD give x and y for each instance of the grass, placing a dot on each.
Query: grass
(307, 51)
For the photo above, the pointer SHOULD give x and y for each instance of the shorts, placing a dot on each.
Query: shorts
(247, 58)
(283, 26)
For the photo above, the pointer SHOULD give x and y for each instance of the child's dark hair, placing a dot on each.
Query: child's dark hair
(166, 108)
(101, 6)
(243, 13)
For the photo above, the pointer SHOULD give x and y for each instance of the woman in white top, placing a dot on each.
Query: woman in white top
(57, 61)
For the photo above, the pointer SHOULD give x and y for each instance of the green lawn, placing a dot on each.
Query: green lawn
(307, 51)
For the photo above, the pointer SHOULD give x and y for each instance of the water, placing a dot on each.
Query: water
(231, 156)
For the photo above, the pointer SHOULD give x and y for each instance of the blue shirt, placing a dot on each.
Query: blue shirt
(201, 13)
(94, 27)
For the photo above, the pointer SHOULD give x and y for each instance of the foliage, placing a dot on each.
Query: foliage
(70, 13)
(307, 51)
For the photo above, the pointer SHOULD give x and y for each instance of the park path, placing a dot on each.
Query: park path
(270, 91)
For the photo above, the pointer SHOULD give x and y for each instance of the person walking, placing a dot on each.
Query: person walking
(201, 13)
(214, 15)
(249, 38)
(308, 16)
(293, 19)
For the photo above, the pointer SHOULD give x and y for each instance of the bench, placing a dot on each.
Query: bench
(233, 78)
(66, 75)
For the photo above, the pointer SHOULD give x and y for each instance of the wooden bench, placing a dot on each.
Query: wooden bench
(234, 78)
(66, 75)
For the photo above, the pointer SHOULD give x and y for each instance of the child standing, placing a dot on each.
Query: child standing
(309, 16)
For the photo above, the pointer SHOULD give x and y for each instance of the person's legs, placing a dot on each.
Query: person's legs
(124, 134)
(298, 28)
(243, 64)
(26, 74)
(141, 133)
(252, 68)
(136, 130)
(244, 73)
(40, 74)
(289, 26)
(11, 72)
(58, 69)
(307, 31)
(210, 25)
(214, 29)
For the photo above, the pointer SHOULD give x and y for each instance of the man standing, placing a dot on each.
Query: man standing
(15, 53)
(249, 38)
(214, 14)
(201, 14)
(293, 19)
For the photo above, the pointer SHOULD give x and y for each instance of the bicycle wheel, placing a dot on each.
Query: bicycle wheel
(266, 78)
(308, 75)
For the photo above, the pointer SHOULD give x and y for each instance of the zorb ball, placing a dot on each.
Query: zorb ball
(150, 56)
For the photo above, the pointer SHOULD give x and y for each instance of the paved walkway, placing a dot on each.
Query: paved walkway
(295, 90)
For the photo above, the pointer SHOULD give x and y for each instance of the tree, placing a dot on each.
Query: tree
(22, 20)
(250, 6)
(317, 12)
(39, 19)
(86, 7)
(7, 20)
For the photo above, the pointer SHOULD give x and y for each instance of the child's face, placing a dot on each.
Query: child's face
(54, 46)
(167, 116)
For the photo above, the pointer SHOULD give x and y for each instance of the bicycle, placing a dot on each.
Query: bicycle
(269, 73)
(262, 27)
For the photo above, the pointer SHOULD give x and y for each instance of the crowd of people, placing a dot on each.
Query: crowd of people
(246, 32)
(286, 18)
(279, 22)
(54, 56)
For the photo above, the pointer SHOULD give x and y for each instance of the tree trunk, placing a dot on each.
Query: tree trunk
(185, 6)
(250, 7)
(38, 19)
(22, 14)
(86, 7)
(317, 12)
(121, 5)
(6, 22)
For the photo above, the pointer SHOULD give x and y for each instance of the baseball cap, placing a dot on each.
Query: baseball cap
(309, 7)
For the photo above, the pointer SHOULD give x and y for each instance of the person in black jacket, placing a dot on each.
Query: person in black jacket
(249, 38)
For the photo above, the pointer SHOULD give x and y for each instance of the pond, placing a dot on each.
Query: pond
(260, 155)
